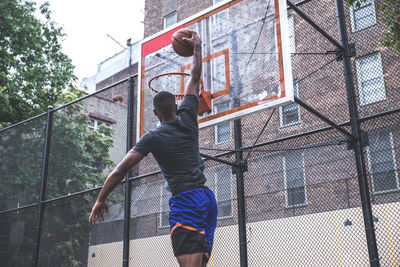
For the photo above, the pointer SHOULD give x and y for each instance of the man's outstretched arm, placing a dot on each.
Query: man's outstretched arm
(192, 87)
(114, 179)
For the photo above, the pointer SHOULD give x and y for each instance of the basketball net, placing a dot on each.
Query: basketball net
(174, 82)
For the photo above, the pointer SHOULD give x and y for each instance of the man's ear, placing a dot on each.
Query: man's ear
(155, 112)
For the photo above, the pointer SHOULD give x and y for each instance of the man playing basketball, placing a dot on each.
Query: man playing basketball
(175, 146)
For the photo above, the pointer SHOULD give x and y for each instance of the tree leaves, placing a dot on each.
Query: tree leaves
(34, 73)
(79, 159)
(390, 19)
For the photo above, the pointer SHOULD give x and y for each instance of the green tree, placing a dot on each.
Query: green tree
(390, 19)
(34, 73)
(79, 159)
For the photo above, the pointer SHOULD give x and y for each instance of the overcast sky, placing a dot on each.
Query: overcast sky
(87, 24)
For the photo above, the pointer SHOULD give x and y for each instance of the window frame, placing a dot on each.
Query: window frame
(228, 169)
(223, 123)
(281, 112)
(173, 13)
(287, 206)
(382, 95)
(115, 212)
(291, 33)
(353, 21)
(216, 64)
(136, 195)
(222, 15)
(167, 195)
(394, 166)
(96, 123)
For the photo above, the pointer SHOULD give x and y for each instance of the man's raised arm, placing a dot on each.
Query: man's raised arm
(115, 177)
(192, 87)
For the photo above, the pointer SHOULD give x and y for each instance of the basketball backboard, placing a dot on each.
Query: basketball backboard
(246, 61)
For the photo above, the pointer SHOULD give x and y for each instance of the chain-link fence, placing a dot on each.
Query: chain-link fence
(86, 139)
(304, 201)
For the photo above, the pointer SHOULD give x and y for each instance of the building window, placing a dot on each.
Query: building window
(362, 16)
(95, 123)
(222, 130)
(115, 212)
(218, 72)
(143, 197)
(220, 17)
(223, 191)
(371, 85)
(382, 164)
(136, 195)
(170, 19)
(164, 216)
(290, 114)
(292, 41)
(293, 164)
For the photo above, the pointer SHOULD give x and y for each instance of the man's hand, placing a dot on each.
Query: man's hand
(98, 211)
(195, 40)
(116, 176)
(192, 87)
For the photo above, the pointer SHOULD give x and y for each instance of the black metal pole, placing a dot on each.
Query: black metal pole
(241, 205)
(322, 117)
(232, 164)
(43, 182)
(129, 143)
(314, 25)
(356, 131)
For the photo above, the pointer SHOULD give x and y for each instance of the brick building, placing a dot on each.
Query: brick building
(291, 192)
(102, 108)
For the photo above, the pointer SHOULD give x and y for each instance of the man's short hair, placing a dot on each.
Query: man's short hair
(164, 102)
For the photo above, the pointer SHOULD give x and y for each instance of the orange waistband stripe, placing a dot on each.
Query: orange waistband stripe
(186, 227)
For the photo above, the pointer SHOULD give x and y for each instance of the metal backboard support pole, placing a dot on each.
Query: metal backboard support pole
(356, 141)
(314, 25)
(238, 168)
(241, 205)
(323, 118)
(356, 131)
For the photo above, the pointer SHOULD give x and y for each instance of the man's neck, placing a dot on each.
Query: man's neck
(171, 117)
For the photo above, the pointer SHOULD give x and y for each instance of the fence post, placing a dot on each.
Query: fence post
(43, 182)
(356, 131)
(236, 88)
(241, 205)
(129, 143)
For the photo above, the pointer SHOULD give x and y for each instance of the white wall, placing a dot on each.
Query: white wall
(111, 66)
(319, 239)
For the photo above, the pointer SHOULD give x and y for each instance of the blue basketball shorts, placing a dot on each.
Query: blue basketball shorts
(193, 219)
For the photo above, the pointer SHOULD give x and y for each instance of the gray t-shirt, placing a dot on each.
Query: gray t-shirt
(175, 146)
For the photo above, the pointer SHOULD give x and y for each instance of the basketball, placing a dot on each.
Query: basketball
(180, 46)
